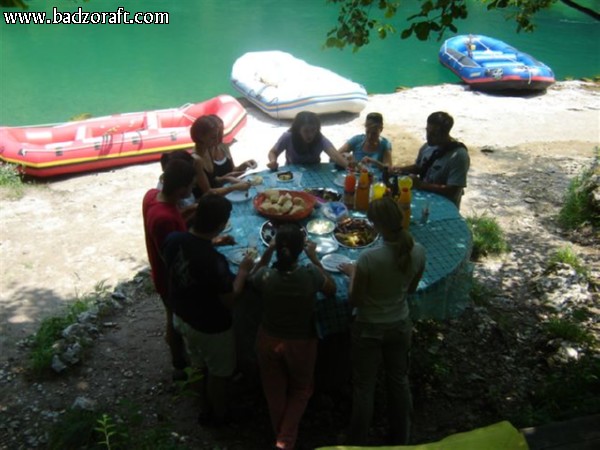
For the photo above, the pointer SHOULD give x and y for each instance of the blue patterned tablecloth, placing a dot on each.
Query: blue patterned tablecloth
(444, 288)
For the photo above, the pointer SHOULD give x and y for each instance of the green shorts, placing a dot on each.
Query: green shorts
(216, 352)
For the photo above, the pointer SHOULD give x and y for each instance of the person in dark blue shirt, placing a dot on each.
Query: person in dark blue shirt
(202, 290)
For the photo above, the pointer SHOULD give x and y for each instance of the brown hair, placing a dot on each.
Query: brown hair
(387, 217)
(201, 127)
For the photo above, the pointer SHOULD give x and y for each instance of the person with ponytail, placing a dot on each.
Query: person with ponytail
(286, 343)
(381, 333)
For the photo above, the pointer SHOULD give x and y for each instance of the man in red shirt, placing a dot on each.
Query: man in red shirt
(162, 217)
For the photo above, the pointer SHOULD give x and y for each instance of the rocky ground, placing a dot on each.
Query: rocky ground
(479, 368)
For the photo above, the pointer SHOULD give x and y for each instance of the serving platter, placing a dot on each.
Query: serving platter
(284, 205)
(331, 262)
(325, 244)
(237, 255)
(239, 196)
(320, 226)
(254, 180)
(355, 233)
(285, 177)
(324, 194)
(268, 230)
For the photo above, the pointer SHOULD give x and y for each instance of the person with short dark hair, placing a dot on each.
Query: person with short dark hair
(202, 290)
(442, 163)
(287, 342)
(370, 147)
(381, 333)
(303, 143)
(187, 206)
(162, 216)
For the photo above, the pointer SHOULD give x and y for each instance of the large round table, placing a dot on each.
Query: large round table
(444, 288)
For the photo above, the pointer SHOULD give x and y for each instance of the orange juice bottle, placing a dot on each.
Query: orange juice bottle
(361, 199)
(404, 184)
(349, 188)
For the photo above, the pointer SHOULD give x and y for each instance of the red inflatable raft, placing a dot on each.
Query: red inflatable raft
(111, 141)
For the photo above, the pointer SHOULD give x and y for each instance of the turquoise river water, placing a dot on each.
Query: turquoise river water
(51, 72)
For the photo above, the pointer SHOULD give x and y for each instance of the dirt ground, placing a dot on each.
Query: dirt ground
(65, 237)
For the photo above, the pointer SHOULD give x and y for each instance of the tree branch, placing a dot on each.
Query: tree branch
(587, 11)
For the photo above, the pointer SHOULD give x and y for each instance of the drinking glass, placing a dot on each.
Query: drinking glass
(298, 180)
(252, 245)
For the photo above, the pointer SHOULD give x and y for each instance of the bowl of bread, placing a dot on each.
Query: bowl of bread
(284, 205)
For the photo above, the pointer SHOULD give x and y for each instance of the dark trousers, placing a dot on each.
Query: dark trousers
(372, 345)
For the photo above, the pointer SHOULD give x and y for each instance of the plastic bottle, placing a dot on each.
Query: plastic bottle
(378, 190)
(385, 175)
(404, 199)
(361, 199)
(394, 187)
(349, 188)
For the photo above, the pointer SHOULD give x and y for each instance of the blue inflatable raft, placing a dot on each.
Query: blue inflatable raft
(488, 64)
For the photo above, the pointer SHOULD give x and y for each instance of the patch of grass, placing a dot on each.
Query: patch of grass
(581, 314)
(11, 180)
(42, 345)
(568, 331)
(572, 390)
(488, 237)
(190, 386)
(566, 255)
(120, 431)
(578, 208)
(75, 429)
(147, 286)
(50, 330)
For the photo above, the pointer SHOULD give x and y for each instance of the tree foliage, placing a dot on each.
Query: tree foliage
(359, 19)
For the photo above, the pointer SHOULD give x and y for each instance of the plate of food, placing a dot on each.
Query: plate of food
(332, 262)
(283, 205)
(237, 255)
(239, 196)
(355, 233)
(254, 180)
(320, 226)
(325, 244)
(324, 194)
(285, 177)
(268, 230)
